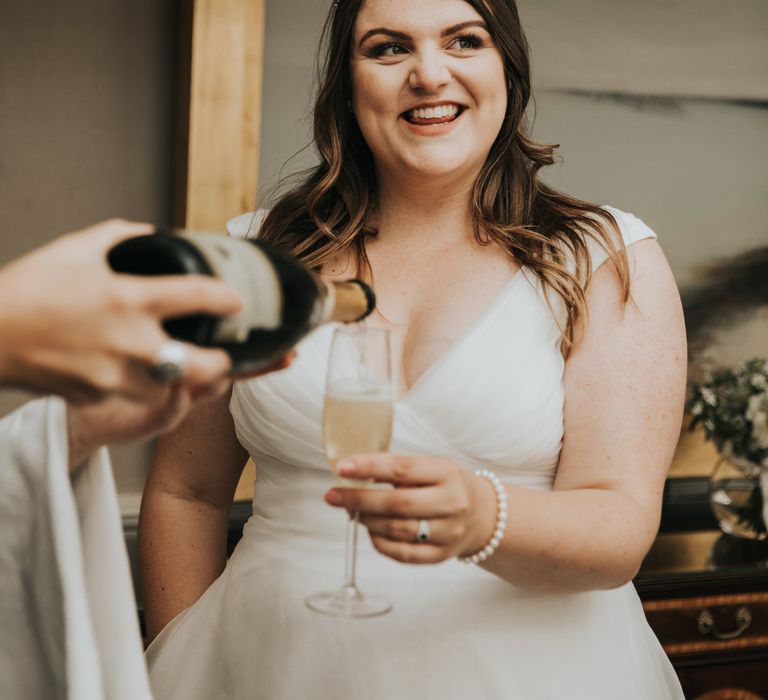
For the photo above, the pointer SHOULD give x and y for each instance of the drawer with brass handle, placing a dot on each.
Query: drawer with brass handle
(712, 623)
(708, 625)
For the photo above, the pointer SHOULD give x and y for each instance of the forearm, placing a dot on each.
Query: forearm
(182, 550)
(569, 541)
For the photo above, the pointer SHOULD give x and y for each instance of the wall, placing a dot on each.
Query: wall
(85, 128)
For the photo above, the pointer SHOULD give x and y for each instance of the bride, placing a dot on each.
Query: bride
(536, 337)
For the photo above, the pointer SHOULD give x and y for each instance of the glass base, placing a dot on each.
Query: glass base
(348, 602)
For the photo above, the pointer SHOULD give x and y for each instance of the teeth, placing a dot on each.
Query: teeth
(439, 112)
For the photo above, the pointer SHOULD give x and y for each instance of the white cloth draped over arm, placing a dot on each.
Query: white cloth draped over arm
(67, 609)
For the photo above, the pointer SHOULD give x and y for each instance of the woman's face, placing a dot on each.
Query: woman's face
(429, 86)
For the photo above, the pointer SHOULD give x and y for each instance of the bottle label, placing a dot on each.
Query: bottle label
(245, 268)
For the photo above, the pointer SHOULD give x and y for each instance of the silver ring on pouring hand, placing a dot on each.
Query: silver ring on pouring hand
(422, 534)
(170, 361)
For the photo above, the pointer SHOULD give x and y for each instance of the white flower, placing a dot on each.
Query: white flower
(709, 396)
(697, 408)
(757, 414)
(758, 381)
(709, 425)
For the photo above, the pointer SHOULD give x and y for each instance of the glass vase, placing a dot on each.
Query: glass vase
(736, 498)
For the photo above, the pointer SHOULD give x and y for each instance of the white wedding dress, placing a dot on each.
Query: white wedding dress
(495, 399)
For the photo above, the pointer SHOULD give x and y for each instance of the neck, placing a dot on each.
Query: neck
(413, 210)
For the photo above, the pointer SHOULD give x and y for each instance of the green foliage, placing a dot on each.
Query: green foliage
(731, 405)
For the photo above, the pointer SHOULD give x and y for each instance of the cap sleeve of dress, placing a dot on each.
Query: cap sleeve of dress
(632, 230)
(247, 225)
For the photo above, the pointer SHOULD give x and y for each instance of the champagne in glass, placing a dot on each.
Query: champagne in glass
(357, 419)
(356, 422)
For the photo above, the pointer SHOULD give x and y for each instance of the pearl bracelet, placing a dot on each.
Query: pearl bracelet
(501, 520)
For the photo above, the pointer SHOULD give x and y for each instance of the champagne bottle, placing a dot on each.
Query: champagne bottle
(283, 299)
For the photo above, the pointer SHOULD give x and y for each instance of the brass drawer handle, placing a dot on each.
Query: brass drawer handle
(706, 623)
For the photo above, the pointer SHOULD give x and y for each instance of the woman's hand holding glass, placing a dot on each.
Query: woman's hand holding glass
(459, 507)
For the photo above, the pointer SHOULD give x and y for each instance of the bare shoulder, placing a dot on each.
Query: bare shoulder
(652, 288)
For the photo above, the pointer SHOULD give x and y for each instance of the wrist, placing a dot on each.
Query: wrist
(484, 520)
(494, 510)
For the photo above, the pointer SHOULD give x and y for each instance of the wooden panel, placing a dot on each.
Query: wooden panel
(224, 110)
(220, 115)
(184, 12)
(244, 491)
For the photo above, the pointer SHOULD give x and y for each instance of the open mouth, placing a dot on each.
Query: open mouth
(439, 114)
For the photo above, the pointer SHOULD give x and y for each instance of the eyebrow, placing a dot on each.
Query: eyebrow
(405, 37)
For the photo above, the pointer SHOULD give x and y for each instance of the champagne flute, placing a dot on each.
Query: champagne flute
(357, 419)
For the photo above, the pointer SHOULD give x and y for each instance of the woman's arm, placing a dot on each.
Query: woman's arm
(624, 393)
(185, 512)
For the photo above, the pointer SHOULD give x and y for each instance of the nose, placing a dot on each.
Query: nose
(430, 71)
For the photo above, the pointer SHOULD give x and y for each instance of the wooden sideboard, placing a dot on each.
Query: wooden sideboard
(706, 597)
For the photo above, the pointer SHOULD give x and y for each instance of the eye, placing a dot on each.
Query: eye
(389, 49)
(467, 42)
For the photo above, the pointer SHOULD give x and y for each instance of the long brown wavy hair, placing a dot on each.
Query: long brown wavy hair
(329, 210)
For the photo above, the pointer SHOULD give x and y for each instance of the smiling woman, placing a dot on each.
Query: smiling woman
(536, 408)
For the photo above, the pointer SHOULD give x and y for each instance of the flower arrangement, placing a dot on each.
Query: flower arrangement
(731, 405)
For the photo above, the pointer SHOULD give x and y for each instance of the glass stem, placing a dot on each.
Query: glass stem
(351, 554)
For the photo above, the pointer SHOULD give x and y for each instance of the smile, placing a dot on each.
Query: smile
(433, 114)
